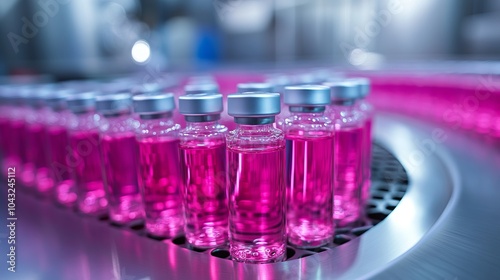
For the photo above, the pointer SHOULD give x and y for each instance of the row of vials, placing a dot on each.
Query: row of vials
(264, 183)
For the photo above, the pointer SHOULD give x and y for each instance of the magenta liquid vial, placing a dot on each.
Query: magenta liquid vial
(36, 142)
(158, 166)
(119, 158)
(367, 111)
(12, 129)
(57, 138)
(83, 155)
(203, 165)
(348, 152)
(310, 156)
(256, 174)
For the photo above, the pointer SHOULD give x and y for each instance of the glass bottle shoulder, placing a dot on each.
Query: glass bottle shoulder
(116, 125)
(255, 138)
(346, 116)
(156, 128)
(202, 134)
(85, 121)
(308, 125)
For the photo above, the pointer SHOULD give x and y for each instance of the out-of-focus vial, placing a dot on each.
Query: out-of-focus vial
(348, 152)
(256, 174)
(36, 170)
(203, 164)
(56, 121)
(368, 113)
(254, 87)
(11, 129)
(309, 138)
(4, 122)
(158, 166)
(119, 158)
(83, 155)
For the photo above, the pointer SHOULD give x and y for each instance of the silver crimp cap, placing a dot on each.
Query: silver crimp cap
(153, 103)
(307, 95)
(200, 104)
(343, 91)
(81, 102)
(56, 100)
(364, 85)
(113, 103)
(254, 104)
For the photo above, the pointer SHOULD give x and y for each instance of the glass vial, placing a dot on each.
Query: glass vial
(83, 155)
(348, 152)
(203, 162)
(256, 173)
(36, 169)
(119, 158)
(310, 157)
(57, 138)
(158, 166)
(12, 131)
(368, 113)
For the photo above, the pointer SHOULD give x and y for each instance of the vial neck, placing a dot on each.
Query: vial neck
(120, 114)
(202, 119)
(201, 125)
(254, 127)
(344, 103)
(156, 116)
(307, 109)
(259, 121)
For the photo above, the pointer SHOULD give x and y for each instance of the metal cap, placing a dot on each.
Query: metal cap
(153, 103)
(81, 102)
(253, 104)
(201, 88)
(56, 100)
(307, 95)
(364, 85)
(11, 95)
(254, 87)
(113, 103)
(200, 104)
(34, 96)
(343, 91)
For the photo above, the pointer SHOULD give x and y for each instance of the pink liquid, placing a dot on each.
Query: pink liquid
(204, 172)
(310, 190)
(84, 159)
(257, 205)
(348, 175)
(159, 179)
(120, 175)
(367, 157)
(13, 137)
(4, 127)
(58, 143)
(37, 157)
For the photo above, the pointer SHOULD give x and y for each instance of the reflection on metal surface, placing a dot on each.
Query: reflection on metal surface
(442, 228)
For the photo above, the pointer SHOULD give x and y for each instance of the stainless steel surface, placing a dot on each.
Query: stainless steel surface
(445, 227)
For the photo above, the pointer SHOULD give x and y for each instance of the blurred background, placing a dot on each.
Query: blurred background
(73, 39)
